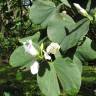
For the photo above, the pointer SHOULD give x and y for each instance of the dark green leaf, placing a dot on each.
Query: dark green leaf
(19, 75)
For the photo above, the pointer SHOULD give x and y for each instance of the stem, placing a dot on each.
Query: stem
(89, 17)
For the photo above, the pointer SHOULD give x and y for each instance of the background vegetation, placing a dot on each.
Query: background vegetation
(15, 24)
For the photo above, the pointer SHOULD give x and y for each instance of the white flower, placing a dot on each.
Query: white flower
(34, 68)
(53, 48)
(46, 56)
(80, 9)
(29, 48)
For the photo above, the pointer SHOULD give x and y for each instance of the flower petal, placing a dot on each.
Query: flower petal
(34, 68)
(29, 48)
(53, 48)
(46, 56)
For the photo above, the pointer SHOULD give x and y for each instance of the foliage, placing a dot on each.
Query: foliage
(53, 23)
(13, 25)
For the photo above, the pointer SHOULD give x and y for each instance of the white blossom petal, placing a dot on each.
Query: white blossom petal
(29, 48)
(77, 6)
(34, 68)
(46, 56)
(53, 48)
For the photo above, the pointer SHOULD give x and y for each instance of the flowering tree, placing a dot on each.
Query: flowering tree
(57, 58)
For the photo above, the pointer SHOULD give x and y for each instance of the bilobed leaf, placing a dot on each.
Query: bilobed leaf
(80, 30)
(20, 58)
(48, 15)
(47, 80)
(40, 11)
(87, 50)
(56, 26)
(65, 2)
(68, 74)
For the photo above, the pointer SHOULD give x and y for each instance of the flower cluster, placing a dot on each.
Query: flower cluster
(29, 48)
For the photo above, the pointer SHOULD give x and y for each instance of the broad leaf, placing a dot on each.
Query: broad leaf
(40, 12)
(65, 2)
(88, 5)
(56, 26)
(87, 51)
(20, 58)
(45, 13)
(78, 63)
(7, 94)
(68, 74)
(47, 80)
(80, 30)
(34, 38)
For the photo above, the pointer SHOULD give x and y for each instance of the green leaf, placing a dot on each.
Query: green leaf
(78, 62)
(68, 74)
(87, 51)
(6, 94)
(80, 30)
(47, 80)
(20, 58)
(65, 2)
(55, 30)
(56, 26)
(40, 12)
(1, 1)
(88, 5)
(35, 38)
(48, 15)
(19, 76)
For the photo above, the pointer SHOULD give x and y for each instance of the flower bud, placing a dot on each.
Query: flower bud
(80, 9)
